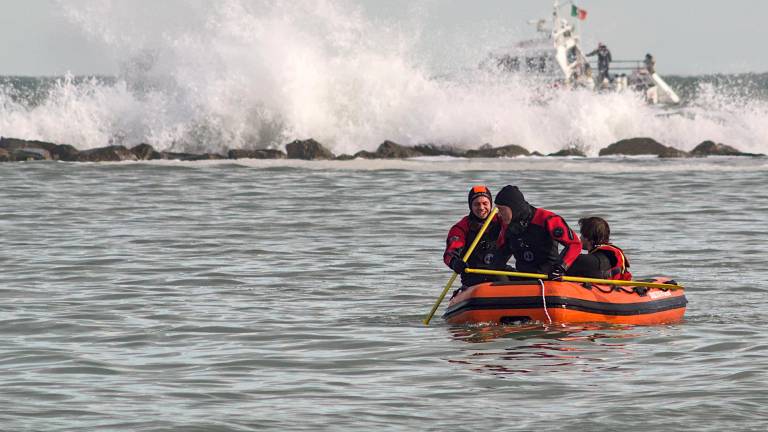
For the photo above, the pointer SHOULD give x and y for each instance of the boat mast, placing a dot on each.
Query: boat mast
(555, 15)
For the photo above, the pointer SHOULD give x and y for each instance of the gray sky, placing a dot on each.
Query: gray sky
(686, 36)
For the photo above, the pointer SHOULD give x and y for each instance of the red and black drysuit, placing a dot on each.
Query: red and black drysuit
(532, 238)
(486, 254)
(604, 261)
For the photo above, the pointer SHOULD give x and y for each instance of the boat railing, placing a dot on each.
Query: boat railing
(624, 65)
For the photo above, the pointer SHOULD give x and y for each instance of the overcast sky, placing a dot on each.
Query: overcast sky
(686, 36)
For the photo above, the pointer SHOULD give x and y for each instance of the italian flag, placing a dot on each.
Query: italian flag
(578, 13)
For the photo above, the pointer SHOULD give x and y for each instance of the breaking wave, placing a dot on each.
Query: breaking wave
(205, 76)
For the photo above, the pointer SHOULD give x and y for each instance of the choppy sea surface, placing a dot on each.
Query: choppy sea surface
(284, 295)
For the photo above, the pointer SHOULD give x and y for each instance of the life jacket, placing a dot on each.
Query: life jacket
(620, 271)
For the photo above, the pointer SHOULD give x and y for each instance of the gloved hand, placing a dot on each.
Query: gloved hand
(458, 265)
(557, 273)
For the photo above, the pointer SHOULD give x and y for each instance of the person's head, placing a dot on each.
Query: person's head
(479, 200)
(512, 204)
(600, 45)
(594, 231)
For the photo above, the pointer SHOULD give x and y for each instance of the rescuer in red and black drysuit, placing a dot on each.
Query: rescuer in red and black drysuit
(604, 260)
(532, 234)
(485, 255)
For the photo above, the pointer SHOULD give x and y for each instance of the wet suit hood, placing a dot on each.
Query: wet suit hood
(511, 197)
(522, 211)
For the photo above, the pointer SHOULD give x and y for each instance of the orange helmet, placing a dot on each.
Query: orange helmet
(477, 191)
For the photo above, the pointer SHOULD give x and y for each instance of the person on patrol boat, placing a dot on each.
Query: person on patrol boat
(603, 260)
(532, 235)
(486, 255)
(604, 60)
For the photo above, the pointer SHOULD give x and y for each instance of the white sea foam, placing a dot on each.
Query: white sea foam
(206, 76)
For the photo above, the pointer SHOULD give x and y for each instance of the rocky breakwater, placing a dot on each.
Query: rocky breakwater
(650, 147)
(13, 149)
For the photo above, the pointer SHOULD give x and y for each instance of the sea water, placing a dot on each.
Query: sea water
(290, 295)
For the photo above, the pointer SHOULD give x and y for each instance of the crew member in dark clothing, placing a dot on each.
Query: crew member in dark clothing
(604, 260)
(650, 64)
(603, 63)
(485, 255)
(532, 234)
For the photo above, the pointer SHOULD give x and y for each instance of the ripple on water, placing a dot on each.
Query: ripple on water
(294, 300)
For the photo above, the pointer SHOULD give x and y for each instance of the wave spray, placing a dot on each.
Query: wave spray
(207, 76)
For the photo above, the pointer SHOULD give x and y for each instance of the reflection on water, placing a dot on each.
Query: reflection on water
(564, 332)
(526, 348)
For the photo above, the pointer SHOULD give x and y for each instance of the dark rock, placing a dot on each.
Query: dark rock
(177, 156)
(65, 152)
(307, 150)
(256, 154)
(37, 150)
(344, 157)
(535, 153)
(672, 152)
(206, 156)
(434, 150)
(365, 154)
(481, 151)
(393, 150)
(12, 144)
(4, 155)
(571, 151)
(641, 146)
(710, 148)
(488, 151)
(190, 156)
(145, 152)
(30, 154)
(107, 154)
(387, 150)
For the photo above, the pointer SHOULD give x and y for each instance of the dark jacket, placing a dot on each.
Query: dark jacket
(604, 58)
(533, 242)
(602, 262)
(486, 254)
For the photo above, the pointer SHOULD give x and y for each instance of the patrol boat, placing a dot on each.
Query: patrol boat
(555, 57)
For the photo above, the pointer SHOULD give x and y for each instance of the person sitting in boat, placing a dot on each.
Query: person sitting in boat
(463, 233)
(603, 260)
(603, 63)
(532, 235)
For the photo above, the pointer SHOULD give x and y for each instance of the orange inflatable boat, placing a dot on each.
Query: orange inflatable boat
(566, 302)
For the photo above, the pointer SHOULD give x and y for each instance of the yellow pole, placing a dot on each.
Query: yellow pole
(466, 257)
(577, 279)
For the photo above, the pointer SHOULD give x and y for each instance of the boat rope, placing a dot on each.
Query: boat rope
(544, 301)
(607, 290)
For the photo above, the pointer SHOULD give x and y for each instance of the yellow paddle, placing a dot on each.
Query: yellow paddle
(466, 257)
(576, 279)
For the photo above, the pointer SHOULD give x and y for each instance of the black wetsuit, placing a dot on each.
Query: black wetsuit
(593, 265)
